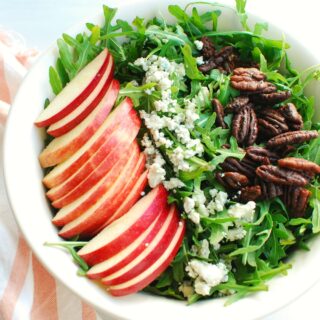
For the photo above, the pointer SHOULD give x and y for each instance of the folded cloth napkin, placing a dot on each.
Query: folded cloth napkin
(27, 290)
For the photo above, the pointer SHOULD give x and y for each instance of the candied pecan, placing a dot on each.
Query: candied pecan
(245, 166)
(237, 104)
(296, 200)
(208, 66)
(281, 176)
(271, 98)
(291, 137)
(269, 190)
(285, 150)
(299, 164)
(293, 117)
(261, 155)
(250, 193)
(232, 180)
(208, 49)
(271, 122)
(219, 110)
(251, 80)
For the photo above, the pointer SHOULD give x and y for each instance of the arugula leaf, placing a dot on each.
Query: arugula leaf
(55, 80)
(190, 63)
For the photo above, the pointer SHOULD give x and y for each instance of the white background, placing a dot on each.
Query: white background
(41, 22)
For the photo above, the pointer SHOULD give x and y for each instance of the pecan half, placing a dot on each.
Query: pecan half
(296, 200)
(245, 166)
(245, 126)
(281, 176)
(269, 190)
(293, 117)
(251, 80)
(250, 193)
(261, 155)
(232, 180)
(299, 164)
(237, 104)
(208, 49)
(292, 137)
(271, 98)
(219, 110)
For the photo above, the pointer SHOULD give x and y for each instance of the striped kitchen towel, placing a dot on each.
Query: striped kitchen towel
(27, 290)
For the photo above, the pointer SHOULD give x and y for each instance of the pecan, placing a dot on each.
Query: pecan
(250, 193)
(293, 117)
(271, 98)
(261, 155)
(208, 49)
(271, 122)
(219, 110)
(245, 126)
(296, 200)
(208, 66)
(281, 176)
(299, 164)
(245, 166)
(285, 150)
(232, 180)
(269, 190)
(237, 104)
(251, 80)
(292, 137)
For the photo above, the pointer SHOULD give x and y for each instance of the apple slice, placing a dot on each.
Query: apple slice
(76, 91)
(147, 276)
(131, 199)
(63, 147)
(77, 115)
(105, 187)
(94, 216)
(118, 235)
(99, 163)
(103, 267)
(121, 114)
(151, 253)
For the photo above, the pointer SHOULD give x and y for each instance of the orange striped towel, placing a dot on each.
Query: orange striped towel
(27, 291)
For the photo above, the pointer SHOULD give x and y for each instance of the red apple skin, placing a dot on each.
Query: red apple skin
(97, 166)
(59, 131)
(151, 258)
(149, 212)
(85, 225)
(121, 114)
(95, 274)
(130, 289)
(49, 157)
(133, 197)
(79, 99)
(69, 213)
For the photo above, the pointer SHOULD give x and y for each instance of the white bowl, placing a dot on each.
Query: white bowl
(22, 145)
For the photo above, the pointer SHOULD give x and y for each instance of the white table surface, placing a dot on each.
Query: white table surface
(41, 22)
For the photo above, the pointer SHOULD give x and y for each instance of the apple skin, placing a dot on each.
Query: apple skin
(91, 220)
(63, 171)
(123, 231)
(69, 121)
(145, 278)
(151, 253)
(61, 148)
(103, 190)
(58, 109)
(97, 166)
(133, 197)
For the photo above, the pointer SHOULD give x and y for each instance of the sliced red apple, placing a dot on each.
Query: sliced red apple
(121, 115)
(76, 91)
(103, 267)
(77, 115)
(147, 276)
(132, 198)
(63, 147)
(98, 165)
(102, 190)
(118, 235)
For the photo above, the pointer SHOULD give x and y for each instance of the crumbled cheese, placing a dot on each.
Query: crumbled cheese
(243, 212)
(198, 44)
(186, 288)
(142, 193)
(203, 250)
(156, 175)
(188, 204)
(219, 199)
(236, 234)
(206, 275)
(177, 158)
(194, 216)
(173, 183)
(200, 60)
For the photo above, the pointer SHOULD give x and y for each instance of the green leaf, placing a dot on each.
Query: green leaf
(190, 64)
(55, 81)
(315, 204)
(109, 14)
(241, 10)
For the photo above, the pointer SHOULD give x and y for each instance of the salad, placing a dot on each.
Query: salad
(227, 130)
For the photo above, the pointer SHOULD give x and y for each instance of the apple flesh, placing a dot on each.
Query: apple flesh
(61, 148)
(123, 231)
(77, 90)
(150, 274)
(77, 115)
(64, 170)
